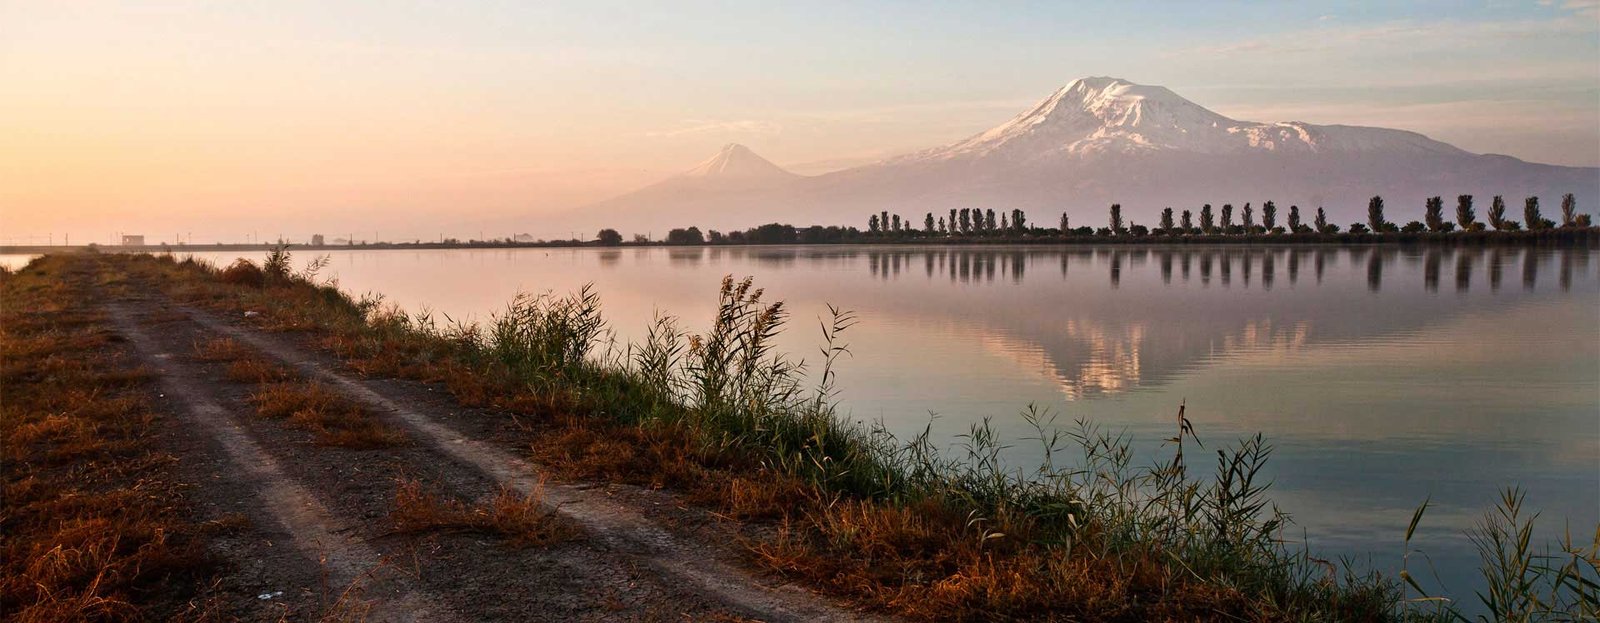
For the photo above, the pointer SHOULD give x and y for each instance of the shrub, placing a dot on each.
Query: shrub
(243, 272)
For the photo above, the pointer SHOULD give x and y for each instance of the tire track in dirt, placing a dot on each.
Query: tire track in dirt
(315, 533)
(618, 525)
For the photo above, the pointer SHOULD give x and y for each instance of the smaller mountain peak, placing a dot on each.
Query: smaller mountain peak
(736, 161)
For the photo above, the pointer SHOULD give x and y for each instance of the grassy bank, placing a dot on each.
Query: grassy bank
(93, 526)
(732, 424)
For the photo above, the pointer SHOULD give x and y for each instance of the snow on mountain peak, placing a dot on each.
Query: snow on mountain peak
(735, 161)
(1105, 115)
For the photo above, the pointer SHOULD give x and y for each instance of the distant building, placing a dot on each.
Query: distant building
(316, 240)
(132, 241)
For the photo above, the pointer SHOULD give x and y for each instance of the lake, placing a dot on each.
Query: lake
(1383, 375)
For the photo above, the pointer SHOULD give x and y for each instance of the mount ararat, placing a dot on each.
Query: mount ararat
(1095, 142)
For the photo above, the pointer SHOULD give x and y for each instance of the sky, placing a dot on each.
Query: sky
(413, 120)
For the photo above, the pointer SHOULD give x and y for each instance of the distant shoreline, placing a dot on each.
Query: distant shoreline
(1560, 236)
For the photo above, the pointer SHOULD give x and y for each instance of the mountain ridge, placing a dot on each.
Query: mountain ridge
(1091, 142)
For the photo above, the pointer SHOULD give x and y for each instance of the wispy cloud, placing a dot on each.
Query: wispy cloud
(1331, 36)
(701, 126)
(1587, 8)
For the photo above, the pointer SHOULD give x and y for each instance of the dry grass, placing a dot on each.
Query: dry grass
(523, 520)
(93, 525)
(332, 419)
(257, 370)
(220, 349)
(244, 364)
(243, 272)
(904, 558)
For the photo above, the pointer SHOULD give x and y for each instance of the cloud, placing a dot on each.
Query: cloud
(1331, 36)
(701, 126)
(1586, 8)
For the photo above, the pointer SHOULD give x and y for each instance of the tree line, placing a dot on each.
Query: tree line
(1207, 221)
(1211, 221)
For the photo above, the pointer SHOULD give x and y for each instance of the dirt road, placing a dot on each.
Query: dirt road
(317, 540)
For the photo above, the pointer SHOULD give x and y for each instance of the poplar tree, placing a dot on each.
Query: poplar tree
(1269, 215)
(1434, 215)
(1530, 214)
(1464, 213)
(1375, 220)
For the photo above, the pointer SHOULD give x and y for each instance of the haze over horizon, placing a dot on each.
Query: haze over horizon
(420, 120)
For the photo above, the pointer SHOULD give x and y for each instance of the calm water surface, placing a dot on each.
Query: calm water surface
(1383, 376)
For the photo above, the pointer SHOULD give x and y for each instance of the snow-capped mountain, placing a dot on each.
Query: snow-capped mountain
(1094, 142)
(1108, 116)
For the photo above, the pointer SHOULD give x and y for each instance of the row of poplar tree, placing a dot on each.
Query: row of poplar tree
(980, 222)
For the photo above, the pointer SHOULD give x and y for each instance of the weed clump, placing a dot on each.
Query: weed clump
(523, 520)
(243, 272)
(332, 419)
